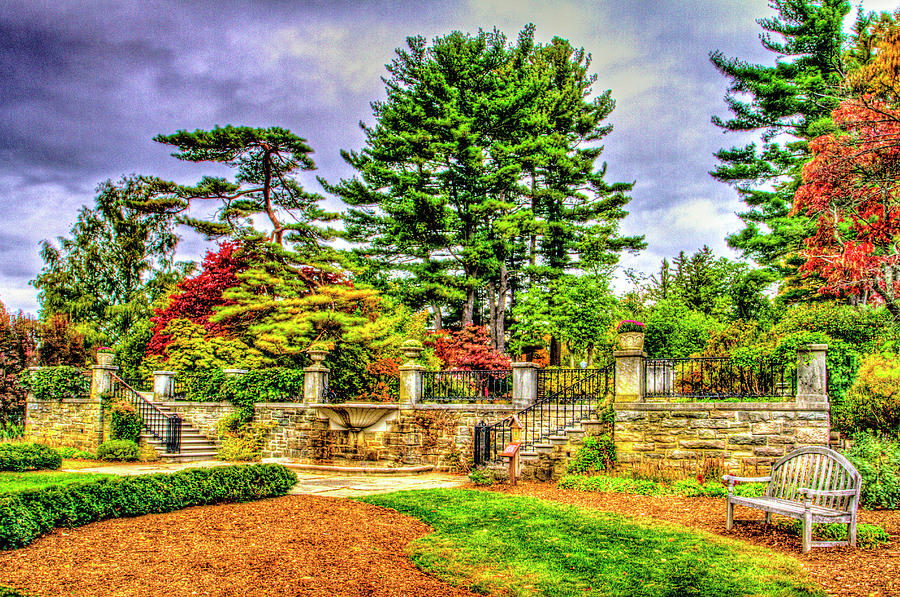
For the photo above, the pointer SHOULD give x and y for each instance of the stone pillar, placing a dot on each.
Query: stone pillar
(101, 383)
(101, 376)
(163, 384)
(629, 375)
(411, 373)
(812, 374)
(315, 378)
(524, 384)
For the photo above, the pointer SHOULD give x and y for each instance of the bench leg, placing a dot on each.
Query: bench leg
(851, 530)
(807, 531)
(768, 518)
(729, 516)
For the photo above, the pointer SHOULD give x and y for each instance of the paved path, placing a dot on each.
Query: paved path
(333, 484)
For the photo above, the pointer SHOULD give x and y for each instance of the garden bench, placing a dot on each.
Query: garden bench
(813, 485)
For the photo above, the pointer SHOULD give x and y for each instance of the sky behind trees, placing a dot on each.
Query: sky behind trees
(85, 86)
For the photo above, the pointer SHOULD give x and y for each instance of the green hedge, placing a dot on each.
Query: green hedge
(122, 450)
(28, 457)
(686, 487)
(56, 383)
(26, 515)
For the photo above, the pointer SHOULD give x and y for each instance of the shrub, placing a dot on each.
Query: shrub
(125, 423)
(595, 454)
(868, 536)
(686, 487)
(877, 458)
(28, 457)
(56, 383)
(24, 516)
(119, 449)
(76, 454)
(481, 478)
(673, 330)
(873, 402)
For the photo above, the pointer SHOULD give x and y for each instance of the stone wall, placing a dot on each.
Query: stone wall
(425, 434)
(203, 416)
(748, 435)
(71, 423)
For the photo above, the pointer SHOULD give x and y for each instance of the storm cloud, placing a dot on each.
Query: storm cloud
(84, 86)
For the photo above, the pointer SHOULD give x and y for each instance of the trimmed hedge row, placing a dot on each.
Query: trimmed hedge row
(26, 515)
(28, 457)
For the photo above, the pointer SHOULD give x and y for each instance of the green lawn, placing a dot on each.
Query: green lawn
(524, 546)
(37, 479)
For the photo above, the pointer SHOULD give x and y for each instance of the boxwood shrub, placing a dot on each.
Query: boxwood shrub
(28, 457)
(26, 515)
(119, 449)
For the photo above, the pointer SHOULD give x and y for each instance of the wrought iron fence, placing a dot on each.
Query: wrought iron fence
(166, 427)
(716, 378)
(467, 386)
(551, 414)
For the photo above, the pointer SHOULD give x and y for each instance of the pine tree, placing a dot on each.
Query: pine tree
(788, 104)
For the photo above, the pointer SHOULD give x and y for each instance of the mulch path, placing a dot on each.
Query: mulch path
(315, 545)
(294, 545)
(839, 570)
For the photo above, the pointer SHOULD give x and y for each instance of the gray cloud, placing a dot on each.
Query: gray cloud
(85, 87)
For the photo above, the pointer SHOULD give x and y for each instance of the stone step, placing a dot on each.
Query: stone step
(189, 456)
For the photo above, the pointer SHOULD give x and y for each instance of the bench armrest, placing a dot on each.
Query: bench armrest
(826, 492)
(730, 480)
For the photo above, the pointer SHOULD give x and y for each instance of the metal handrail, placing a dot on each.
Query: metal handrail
(494, 385)
(715, 378)
(165, 427)
(548, 416)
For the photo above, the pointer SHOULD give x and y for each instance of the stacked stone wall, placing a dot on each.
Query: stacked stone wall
(203, 416)
(743, 435)
(71, 423)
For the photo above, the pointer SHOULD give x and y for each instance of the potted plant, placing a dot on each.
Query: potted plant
(105, 356)
(411, 349)
(317, 352)
(631, 335)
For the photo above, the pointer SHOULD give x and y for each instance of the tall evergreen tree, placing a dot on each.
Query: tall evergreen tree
(788, 104)
(117, 260)
(480, 168)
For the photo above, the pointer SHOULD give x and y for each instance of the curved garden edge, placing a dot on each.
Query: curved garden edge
(840, 571)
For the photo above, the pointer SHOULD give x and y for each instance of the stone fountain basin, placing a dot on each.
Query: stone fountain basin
(356, 416)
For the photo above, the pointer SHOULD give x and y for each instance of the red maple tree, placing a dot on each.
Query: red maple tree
(851, 187)
(467, 349)
(197, 296)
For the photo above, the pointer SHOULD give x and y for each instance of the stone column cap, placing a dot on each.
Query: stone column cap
(525, 365)
(630, 353)
(412, 367)
(235, 371)
(812, 347)
(164, 373)
(106, 367)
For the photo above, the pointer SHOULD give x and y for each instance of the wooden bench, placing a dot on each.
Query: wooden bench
(813, 485)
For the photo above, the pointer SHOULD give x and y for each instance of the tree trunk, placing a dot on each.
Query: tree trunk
(500, 320)
(437, 317)
(469, 308)
(886, 289)
(554, 351)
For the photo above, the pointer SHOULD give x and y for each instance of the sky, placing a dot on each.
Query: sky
(85, 86)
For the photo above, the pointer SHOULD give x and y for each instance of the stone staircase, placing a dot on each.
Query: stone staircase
(194, 445)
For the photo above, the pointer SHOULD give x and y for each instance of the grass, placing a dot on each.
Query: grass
(10, 482)
(493, 543)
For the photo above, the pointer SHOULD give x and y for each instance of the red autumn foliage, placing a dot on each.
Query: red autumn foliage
(197, 296)
(851, 186)
(468, 349)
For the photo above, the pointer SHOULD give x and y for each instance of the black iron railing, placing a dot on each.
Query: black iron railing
(165, 427)
(177, 389)
(467, 386)
(716, 378)
(550, 415)
(137, 383)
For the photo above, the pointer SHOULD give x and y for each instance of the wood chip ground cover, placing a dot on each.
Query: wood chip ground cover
(295, 545)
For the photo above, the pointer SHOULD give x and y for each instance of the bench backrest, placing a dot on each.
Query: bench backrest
(815, 468)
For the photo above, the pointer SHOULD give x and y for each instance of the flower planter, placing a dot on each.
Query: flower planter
(631, 341)
(106, 359)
